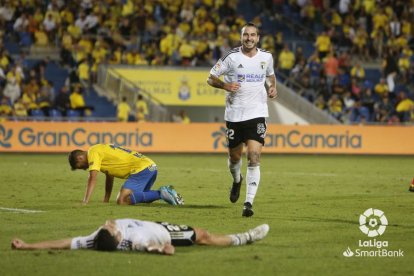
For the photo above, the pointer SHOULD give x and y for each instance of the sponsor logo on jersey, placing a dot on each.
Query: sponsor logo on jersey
(217, 66)
(250, 77)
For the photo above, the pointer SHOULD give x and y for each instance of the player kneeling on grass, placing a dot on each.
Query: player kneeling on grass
(148, 236)
(139, 171)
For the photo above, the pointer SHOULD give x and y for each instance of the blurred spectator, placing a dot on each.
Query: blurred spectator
(141, 109)
(123, 110)
(186, 52)
(43, 101)
(320, 102)
(359, 113)
(404, 67)
(355, 88)
(384, 110)
(41, 37)
(390, 70)
(29, 99)
(77, 102)
(404, 107)
(323, 45)
(335, 107)
(286, 60)
(21, 24)
(337, 88)
(367, 101)
(348, 100)
(5, 108)
(12, 90)
(83, 73)
(298, 71)
(62, 101)
(181, 117)
(331, 70)
(19, 109)
(358, 71)
(344, 61)
(360, 42)
(314, 69)
(381, 88)
(50, 26)
(308, 91)
(322, 89)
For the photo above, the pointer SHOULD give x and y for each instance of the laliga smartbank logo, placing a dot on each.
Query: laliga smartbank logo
(373, 223)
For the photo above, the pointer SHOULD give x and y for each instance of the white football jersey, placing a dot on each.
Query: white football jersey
(136, 235)
(250, 101)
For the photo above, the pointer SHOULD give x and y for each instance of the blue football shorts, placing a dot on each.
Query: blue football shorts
(142, 181)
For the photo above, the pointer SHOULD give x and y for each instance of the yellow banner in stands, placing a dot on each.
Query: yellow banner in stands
(175, 86)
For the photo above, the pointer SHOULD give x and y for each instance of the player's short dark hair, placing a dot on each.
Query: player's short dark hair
(72, 158)
(251, 24)
(105, 241)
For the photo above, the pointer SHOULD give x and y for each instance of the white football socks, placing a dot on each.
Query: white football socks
(235, 170)
(252, 182)
(239, 239)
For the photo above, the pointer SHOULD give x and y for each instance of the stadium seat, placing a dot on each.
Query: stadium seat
(25, 39)
(73, 115)
(55, 115)
(37, 114)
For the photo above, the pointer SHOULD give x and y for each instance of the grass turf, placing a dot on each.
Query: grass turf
(312, 204)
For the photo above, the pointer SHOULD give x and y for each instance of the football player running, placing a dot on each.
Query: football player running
(249, 80)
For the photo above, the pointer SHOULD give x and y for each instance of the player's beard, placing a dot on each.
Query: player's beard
(249, 46)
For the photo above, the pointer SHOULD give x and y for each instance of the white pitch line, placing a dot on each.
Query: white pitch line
(15, 210)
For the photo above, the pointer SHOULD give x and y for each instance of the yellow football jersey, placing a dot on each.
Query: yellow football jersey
(116, 161)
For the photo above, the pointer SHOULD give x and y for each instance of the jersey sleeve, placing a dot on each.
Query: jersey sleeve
(220, 68)
(269, 70)
(86, 242)
(94, 160)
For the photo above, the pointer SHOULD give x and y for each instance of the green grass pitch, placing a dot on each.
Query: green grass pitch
(311, 202)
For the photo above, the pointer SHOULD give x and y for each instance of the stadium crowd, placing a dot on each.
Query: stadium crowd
(198, 32)
(354, 33)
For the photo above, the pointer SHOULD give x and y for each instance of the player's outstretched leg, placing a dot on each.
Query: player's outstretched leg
(169, 195)
(203, 237)
(253, 235)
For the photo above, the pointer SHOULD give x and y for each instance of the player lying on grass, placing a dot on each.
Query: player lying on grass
(147, 236)
(139, 171)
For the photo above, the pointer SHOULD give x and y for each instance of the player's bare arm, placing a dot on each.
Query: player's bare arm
(109, 183)
(218, 83)
(59, 244)
(271, 86)
(93, 175)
